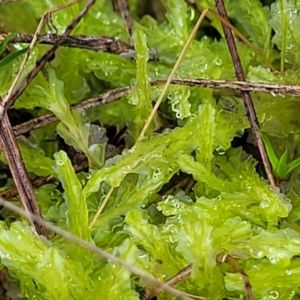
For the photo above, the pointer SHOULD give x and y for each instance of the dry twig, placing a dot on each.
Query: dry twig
(9, 1)
(118, 93)
(9, 146)
(122, 7)
(231, 261)
(180, 276)
(250, 110)
(179, 185)
(264, 60)
(94, 43)
(168, 82)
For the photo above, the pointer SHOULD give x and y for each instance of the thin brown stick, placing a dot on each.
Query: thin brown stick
(102, 206)
(98, 251)
(198, 7)
(172, 189)
(245, 40)
(190, 185)
(180, 276)
(122, 6)
(94, 43)
(9, 1)
(13, 192)
(246, 86)
(123, 91)
(250, 110)
(90, 103)
(19, 174)
(231, 261)
(168, 82)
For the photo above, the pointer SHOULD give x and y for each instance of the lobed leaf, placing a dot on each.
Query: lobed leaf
(77, 213)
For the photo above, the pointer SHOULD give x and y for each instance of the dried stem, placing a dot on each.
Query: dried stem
(9, 1)
(197, 6)
(11, 150)
(190, 185)
(180, 184)
(251, 114)
(168, 82)
(101, 207)
(123, 91)
(180, 276)
(122, 7)
(231, 261)
(94, 43)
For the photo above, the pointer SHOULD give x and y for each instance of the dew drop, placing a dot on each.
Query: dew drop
(132, 150)
(260, 254)
(132, 82)
(192, 16)
(220, 150)
(264, 204)
(178, 115)
(177, 205)
(288, 272)
(174, 229)
(60, 162)
(218, 61)
(273, 294)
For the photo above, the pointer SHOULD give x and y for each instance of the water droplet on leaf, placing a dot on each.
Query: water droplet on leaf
(60, 162)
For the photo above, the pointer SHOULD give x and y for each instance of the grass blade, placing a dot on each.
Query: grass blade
(293, 165)
(5, 42)
(271, 154)
(281, 167)
(9, 58)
